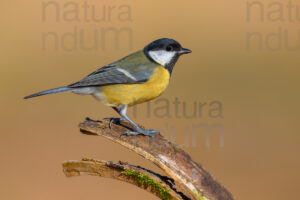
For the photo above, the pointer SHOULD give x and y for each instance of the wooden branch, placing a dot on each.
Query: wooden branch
(147, 180)
(189, 177)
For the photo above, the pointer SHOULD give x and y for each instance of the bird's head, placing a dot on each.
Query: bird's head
(165, 52)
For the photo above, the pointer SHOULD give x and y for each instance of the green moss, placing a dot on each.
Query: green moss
(147, 181)
(199, 196)
(176, 149)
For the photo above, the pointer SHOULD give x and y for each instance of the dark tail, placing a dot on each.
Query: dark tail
(52, 91)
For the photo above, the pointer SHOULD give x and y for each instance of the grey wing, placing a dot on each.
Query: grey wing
(113, 74)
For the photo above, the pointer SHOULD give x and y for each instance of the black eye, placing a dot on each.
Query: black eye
(169, 48)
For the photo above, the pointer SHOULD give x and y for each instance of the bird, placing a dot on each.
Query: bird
(134, 79)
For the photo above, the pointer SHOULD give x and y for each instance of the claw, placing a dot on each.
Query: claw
(92, 120)
(114, 121)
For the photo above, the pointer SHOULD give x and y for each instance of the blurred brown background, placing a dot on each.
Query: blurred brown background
(258, 87)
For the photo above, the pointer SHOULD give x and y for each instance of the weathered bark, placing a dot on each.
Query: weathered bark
(145, 179)
(189, 177)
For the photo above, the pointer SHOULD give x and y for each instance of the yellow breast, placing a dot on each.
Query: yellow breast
(131, 94)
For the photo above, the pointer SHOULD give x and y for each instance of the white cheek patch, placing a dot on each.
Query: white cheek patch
(161, 56)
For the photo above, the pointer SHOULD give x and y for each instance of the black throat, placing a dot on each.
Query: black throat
(169, 66)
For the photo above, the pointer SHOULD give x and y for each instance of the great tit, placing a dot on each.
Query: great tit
(134, 79)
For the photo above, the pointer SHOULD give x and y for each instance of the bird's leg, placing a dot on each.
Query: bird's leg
(114, 120)
(122, 109)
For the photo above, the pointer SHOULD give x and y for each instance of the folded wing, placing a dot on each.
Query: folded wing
(132, 69)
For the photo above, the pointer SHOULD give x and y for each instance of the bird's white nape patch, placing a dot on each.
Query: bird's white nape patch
(161, 56)
(126, 73)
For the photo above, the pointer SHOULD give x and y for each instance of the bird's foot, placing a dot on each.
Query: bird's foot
(149, 132)
(114, 120)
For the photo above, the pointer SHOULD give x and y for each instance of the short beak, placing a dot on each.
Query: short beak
(184, 51)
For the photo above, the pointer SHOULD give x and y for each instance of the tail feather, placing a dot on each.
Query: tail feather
(52, 91)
